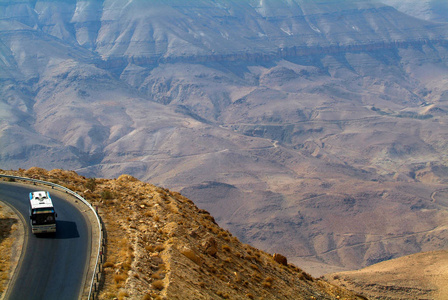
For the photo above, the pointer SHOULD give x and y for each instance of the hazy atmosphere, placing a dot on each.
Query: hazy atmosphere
(317, 129)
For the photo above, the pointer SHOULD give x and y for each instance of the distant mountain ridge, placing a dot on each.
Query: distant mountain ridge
(138, 29)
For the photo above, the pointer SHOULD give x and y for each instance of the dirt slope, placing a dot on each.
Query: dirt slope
(419, 276)
(161, 246)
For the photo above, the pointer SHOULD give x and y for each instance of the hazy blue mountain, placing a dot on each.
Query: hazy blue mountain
(431, 10)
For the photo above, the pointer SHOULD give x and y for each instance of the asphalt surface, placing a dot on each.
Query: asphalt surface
(52, 266)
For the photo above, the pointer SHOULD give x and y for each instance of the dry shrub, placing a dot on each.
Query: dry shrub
(267, 283)
(91, 184)
(159, 248)
(158, 285)
(150, 248)
(173, 208)
(126, 178)
(235, 240)
(256, 276)
(213, 229)
(160, 274)
(222, 234)
(250, 257)
(123, 294)
(222, 294)
(107, 194)
(119, 278)
(226, 248)
(306, 276)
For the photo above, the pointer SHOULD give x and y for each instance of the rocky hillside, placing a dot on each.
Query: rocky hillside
(309, 128)
(161, 246)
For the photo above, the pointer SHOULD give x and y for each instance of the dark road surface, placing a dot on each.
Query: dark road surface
(53, 266)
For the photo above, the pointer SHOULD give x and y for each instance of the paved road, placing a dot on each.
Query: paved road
(53, 267)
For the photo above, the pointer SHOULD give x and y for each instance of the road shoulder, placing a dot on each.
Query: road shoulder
(11, 244)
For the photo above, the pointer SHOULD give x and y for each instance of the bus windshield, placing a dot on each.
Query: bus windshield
(42, 211)
(43, 216)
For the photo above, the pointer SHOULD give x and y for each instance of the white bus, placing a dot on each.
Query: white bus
(42, 214)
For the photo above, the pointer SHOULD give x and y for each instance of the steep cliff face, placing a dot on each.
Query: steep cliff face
(305, 127)
(153, 29)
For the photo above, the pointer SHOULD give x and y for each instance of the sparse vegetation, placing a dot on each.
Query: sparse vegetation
(106, 194)
(91, 184)
(154, 237)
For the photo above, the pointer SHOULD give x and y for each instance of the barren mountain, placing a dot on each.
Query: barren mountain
(311, 128)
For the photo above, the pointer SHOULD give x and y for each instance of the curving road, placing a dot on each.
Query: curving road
(51, 267)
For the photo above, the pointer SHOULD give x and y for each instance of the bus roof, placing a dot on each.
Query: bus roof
(40, 199)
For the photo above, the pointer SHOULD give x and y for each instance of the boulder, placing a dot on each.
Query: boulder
(210, 246)
(280, 259)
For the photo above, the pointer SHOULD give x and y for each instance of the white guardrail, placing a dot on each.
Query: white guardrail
(100, 239)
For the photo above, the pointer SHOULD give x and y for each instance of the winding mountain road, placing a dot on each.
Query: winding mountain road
(51, 267)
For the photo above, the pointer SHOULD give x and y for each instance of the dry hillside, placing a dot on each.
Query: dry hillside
(8, 243)
(161, 246)
(418, 276)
